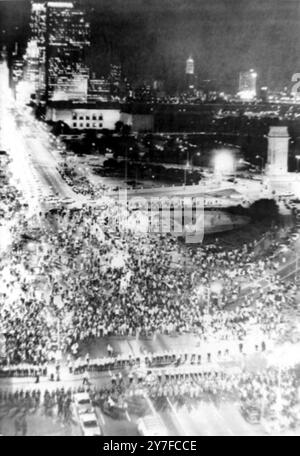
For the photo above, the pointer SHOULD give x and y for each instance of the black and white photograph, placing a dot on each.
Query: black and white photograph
(149, 220)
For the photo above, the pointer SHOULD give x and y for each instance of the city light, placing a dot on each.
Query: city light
(247, 95)
(224, 162)
(247, 85)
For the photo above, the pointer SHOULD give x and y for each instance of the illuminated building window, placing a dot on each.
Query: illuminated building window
(94, 125)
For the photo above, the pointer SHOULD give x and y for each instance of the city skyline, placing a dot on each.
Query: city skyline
(154, 42)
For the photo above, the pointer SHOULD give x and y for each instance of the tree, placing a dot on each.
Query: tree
(264, 209)
(119, 126)
(110, 163)
(60, 128)
(126, 130)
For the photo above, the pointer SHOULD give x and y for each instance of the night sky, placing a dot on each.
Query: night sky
(152, 38)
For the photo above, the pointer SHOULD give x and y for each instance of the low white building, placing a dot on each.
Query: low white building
(82, 116)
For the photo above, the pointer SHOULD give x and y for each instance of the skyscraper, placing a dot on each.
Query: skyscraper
(247, 85)
(190, 66)
(35, 56)
(190, 74)
(67, 39)
(55, 56)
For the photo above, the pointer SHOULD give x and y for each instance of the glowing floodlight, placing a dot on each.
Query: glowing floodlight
(224, 163)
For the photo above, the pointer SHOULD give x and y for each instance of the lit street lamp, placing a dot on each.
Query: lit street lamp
(259, 157)
(187, 165)
(297, 158)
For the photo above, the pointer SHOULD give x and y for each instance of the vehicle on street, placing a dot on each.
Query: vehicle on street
(251, 414)
(89, 425)
(83, 403)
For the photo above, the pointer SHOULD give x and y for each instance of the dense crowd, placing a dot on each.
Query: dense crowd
(82, 276)
(80, 184)
(97, 281)
(9, 195)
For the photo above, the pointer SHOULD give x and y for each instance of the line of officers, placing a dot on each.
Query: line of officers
(149, 360)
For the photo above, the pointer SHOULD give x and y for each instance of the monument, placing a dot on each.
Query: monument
(278, 149)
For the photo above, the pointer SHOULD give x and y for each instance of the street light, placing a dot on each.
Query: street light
(297, 158)
(198, 154)
(187, 165)
(259, 157)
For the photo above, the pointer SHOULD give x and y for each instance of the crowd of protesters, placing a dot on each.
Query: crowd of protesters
(9, 195)
(101, 282)
(83, 278)
(80, 184)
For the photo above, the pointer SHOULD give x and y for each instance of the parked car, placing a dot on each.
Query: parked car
(89, 425)
(83, 403)
(251, 414)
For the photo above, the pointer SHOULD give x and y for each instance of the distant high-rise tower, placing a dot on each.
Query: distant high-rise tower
(115, 74)
(247, 85)
(190, 74)
(190, 66)
(115, 78)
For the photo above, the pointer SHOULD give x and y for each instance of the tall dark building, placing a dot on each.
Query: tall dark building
(55, 57)
(35, 56)
(67, 38)
(115, 79)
